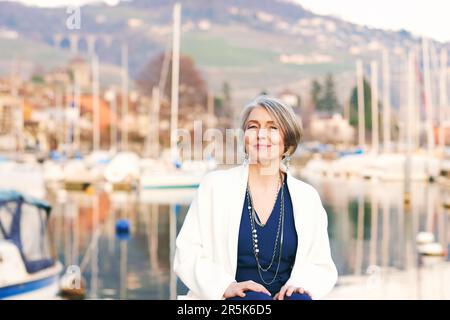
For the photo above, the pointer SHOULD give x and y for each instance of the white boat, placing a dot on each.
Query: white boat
(13, 174)
(173, 196)
(97, 162)
(168, 172)
(391, 167)
(385, 167)
(169, 180)
(163, 175)
(425, 238)
(316, 167)
(26, 269)
(353, 165)
(123, 169)
(74, 172)
(347, 166)
(427, 246)
(434, 249)
(76, 175)
(53, 171)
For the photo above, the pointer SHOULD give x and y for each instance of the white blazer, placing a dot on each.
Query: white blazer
(207, 244)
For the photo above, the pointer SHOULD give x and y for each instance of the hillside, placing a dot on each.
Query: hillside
(252, 44)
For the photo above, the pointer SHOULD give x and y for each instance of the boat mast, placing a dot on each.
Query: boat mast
(124, 136)
(361, 113)
(443, 98)
(409, 125)
(175, 80)
(374, 105)
(17, 114)
(152, 141)
(428, 96)
(386, 103)
(77, 111)
(96, 104)
(113, 118)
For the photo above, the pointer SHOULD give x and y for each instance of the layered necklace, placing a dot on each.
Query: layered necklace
(280, 230)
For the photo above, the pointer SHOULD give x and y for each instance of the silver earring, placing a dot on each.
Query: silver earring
(287, 161)
(246, 156)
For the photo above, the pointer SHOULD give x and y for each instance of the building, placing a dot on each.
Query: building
(331, 129)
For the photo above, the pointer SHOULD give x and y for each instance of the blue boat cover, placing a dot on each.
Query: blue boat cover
(14, 233)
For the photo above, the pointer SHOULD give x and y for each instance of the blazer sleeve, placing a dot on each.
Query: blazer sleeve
(192, 264)
(318, 274)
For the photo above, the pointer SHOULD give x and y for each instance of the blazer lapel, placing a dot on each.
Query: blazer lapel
(298, 206)
(235, 197)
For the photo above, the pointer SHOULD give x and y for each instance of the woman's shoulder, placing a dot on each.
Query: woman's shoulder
(230, 175)
(223, 173)
(304, 188)
(307, 197)
(218, 176)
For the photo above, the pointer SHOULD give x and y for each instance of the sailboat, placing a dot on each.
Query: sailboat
(18, 166)
(79, 173)
(123, 171)
(389, 165)
(171, 173)
(27, 270)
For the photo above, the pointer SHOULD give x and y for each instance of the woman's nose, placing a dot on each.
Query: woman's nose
(262, 133)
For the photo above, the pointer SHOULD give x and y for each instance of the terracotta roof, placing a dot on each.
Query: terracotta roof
(87, 106)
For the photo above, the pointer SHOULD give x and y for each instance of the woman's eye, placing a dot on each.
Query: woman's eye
(251, 127)
(273, 127)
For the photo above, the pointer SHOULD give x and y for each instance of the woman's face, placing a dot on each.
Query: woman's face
(264, 140)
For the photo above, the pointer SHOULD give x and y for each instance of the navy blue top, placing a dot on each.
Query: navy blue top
(247, 268)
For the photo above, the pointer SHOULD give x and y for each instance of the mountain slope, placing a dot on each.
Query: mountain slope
(253, 44)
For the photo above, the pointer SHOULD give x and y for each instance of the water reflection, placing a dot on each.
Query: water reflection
(373, 237)
(83, 229)
(372, 234)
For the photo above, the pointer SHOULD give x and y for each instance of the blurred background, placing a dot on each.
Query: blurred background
(111, 112)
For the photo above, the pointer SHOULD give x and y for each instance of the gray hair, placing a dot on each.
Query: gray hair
(283, 114)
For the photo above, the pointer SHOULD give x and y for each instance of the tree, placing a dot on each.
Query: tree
(367, 106)
(329, 101)
(316, 90)
(323, 97)
(193, 89)
(227, 109)
(222, 103)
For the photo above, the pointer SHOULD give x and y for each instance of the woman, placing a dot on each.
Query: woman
(255, 231)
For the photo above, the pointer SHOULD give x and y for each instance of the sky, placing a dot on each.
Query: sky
(428, 18)
(59, 3)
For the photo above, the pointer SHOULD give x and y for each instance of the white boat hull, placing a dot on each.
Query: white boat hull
(40, 286)
(170, 181)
